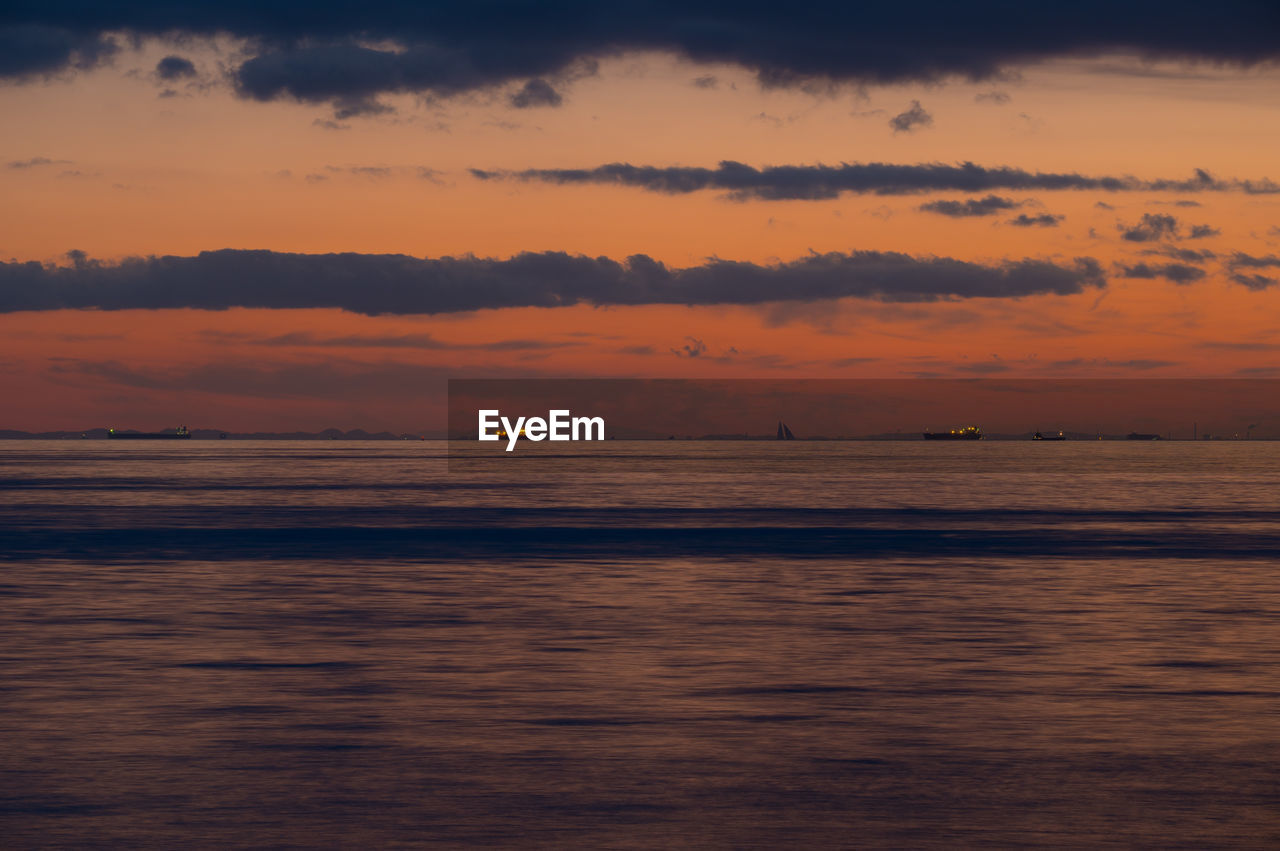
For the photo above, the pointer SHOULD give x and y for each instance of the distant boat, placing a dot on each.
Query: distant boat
(1058, 436)
(966, 433)
(784, 433)
(182, 433)
(1133, 435)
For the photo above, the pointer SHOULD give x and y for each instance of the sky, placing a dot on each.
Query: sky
(280, 216)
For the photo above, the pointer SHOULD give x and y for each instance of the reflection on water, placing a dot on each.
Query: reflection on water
(301, 644)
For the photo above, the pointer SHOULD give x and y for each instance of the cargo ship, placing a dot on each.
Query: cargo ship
(1039, 436)
(1133, 435)
(966, 433)
(181, 433)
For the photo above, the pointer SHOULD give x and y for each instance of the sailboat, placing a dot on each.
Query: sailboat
(784, 432)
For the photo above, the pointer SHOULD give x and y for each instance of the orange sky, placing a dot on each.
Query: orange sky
(131, 173)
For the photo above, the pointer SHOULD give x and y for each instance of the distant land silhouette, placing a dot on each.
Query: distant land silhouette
(361, 434)
(218, 434)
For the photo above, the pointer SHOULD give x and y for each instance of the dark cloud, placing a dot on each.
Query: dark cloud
(399, 284)
(1240, 260)
(40, 45)
(692, 348)
(35, 162)
(173, 68)
(426, 342)
(359, 107)
(1252, 280)
(1136, 363)
(322, 51)
(823, 182)
(1157, 226)
(1179, 273)
(537, 92)
(989, 367)
(707, 81)
(988, 206)
(1142, 363)
(1186, 255)
(912, 118)
(1152, 228)
(1044, 220)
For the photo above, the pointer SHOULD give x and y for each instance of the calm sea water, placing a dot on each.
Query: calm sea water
(740, 645)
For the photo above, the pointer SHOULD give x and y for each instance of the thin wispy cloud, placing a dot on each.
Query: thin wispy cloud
(824, 182)
(971, 207)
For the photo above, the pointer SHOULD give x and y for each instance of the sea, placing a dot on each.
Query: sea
(650, 644)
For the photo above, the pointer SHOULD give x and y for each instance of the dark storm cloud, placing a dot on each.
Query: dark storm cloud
(322, 51)
(175, 68)
(398, 284)
(32, 48)
(1179, 273)
(971, 207)
(1044, 220)
(824, 182)
(536, 93)
(911, 118)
